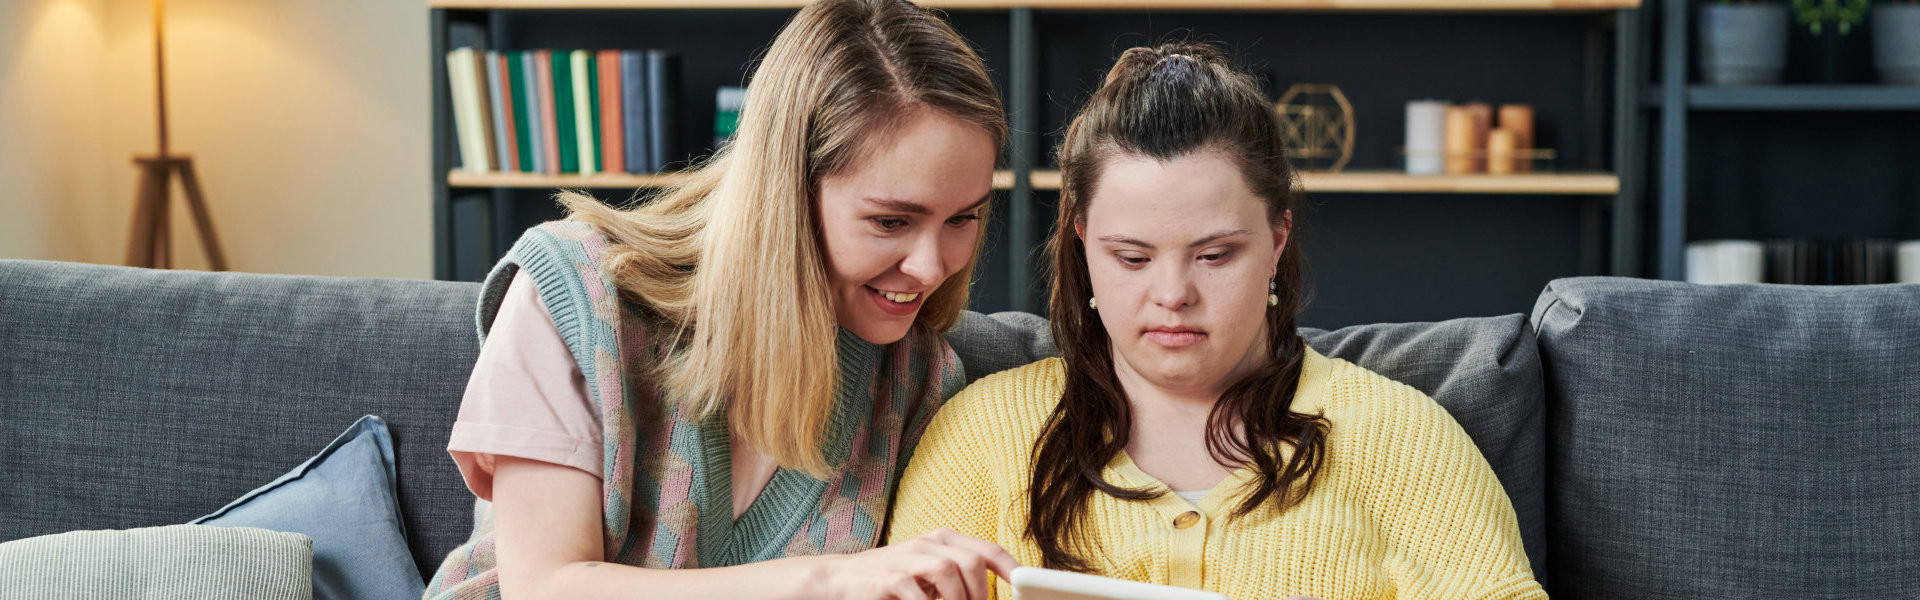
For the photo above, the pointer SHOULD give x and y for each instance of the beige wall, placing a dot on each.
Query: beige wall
(307, 121)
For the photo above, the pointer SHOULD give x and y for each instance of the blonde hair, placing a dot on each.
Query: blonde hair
(734, 256)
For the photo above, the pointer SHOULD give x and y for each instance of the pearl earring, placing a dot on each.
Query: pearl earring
(1273, 297)
(1093, 303)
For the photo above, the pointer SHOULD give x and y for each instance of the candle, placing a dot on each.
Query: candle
(1907, 261)
(1425, 136)
(1518, 118)
(1460, 140)
(1482, 123)
(1500, 145)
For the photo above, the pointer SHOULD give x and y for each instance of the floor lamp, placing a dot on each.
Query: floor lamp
(149, 247)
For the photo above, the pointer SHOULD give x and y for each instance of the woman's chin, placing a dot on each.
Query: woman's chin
(876, 331)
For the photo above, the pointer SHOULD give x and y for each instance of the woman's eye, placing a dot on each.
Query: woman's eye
(962, 220)
(889, 223)
(1132, 261)
(1215, 257)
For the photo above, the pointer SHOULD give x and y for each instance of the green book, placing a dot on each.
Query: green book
(522, 137)
(593, 92)
(563, 113)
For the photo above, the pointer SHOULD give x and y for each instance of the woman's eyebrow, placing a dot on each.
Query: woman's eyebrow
(915, 208)
(1204, 240)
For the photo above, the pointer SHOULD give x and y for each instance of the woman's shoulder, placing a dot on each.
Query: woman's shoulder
(1357, 395)
(1008, 406)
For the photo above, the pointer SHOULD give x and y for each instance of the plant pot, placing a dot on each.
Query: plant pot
(1743, 44)
(1896, 42)
(1833, 54)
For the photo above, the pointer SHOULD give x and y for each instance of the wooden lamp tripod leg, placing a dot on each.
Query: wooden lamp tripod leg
(148, 205)
(201, 218)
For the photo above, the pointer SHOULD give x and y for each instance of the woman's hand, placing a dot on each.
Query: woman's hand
(942, 563)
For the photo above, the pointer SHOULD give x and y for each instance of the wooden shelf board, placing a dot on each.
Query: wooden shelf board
(1238, 5)
(1396, 182)
(1358, 182)
(469, 179)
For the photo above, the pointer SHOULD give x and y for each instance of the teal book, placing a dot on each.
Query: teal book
(563, 113)
(522, 136)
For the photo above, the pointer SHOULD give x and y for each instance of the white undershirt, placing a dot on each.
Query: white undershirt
(1192, 497)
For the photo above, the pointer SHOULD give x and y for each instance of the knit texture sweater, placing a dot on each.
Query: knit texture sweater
(1405, 506)
(666, 479)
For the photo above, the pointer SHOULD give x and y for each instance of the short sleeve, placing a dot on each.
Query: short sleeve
(526, 397)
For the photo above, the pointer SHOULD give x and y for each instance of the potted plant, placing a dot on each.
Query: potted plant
(1743, 42)
(1896, 42)
(1831, 51)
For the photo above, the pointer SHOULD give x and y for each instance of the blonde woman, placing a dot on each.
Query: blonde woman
(711, 395)
(1188, 436)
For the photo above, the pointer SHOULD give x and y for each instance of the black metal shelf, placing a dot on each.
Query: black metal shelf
(1595, 105)
(1810, 98)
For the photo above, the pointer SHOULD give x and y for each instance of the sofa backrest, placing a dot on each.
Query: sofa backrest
(133, 398)
(1731, 441)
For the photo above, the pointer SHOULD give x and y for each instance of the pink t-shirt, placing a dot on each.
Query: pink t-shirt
(526, 398)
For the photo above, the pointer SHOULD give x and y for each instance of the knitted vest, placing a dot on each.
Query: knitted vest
(666, 480)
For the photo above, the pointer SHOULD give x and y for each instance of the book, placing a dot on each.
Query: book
(567, 130)
(579, 66)
(549, 119)
(466, 110)
(486, 109)
(522, 130)
(536, 129)
(502, 114)
(633, 96)
(663, 109)
(612, 145)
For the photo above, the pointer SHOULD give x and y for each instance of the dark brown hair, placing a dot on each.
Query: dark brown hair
(1162, 103)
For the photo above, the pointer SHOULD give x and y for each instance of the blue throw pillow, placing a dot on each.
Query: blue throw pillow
(344, 499)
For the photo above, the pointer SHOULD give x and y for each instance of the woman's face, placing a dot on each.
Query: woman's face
(1179, 254)
(902, 220)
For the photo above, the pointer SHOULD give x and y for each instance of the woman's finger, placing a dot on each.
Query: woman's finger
(971, 567)
(929, 567)
(997, 558)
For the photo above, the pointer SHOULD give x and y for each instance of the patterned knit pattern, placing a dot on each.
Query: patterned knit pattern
(666, 480)
(1405, 506)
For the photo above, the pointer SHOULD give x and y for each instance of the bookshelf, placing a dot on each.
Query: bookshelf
(1803, 159)
(1210, 5)
(1044, 54)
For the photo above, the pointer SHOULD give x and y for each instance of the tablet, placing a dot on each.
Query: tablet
(1030, 583)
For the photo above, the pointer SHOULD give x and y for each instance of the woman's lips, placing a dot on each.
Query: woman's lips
(898, 309)
(1175, 337)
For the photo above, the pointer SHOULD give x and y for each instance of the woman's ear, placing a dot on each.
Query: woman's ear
(1282, 230)
(1080, 230)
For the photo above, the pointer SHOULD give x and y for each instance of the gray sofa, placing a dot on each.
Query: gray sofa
(1658, 440)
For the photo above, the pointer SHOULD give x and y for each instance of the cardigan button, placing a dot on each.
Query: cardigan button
(1186, 519)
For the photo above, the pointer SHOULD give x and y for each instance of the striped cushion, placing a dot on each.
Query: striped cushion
(176, 561)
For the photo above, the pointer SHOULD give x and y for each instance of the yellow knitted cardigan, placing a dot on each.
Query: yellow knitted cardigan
(1405, 506)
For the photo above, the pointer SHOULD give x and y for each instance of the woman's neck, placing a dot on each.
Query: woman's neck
(1170, 423)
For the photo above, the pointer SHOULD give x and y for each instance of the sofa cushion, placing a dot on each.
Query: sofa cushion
(176, 561)
(344, 499)
(134, 397)
(1485, 372)
(1731, 441)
